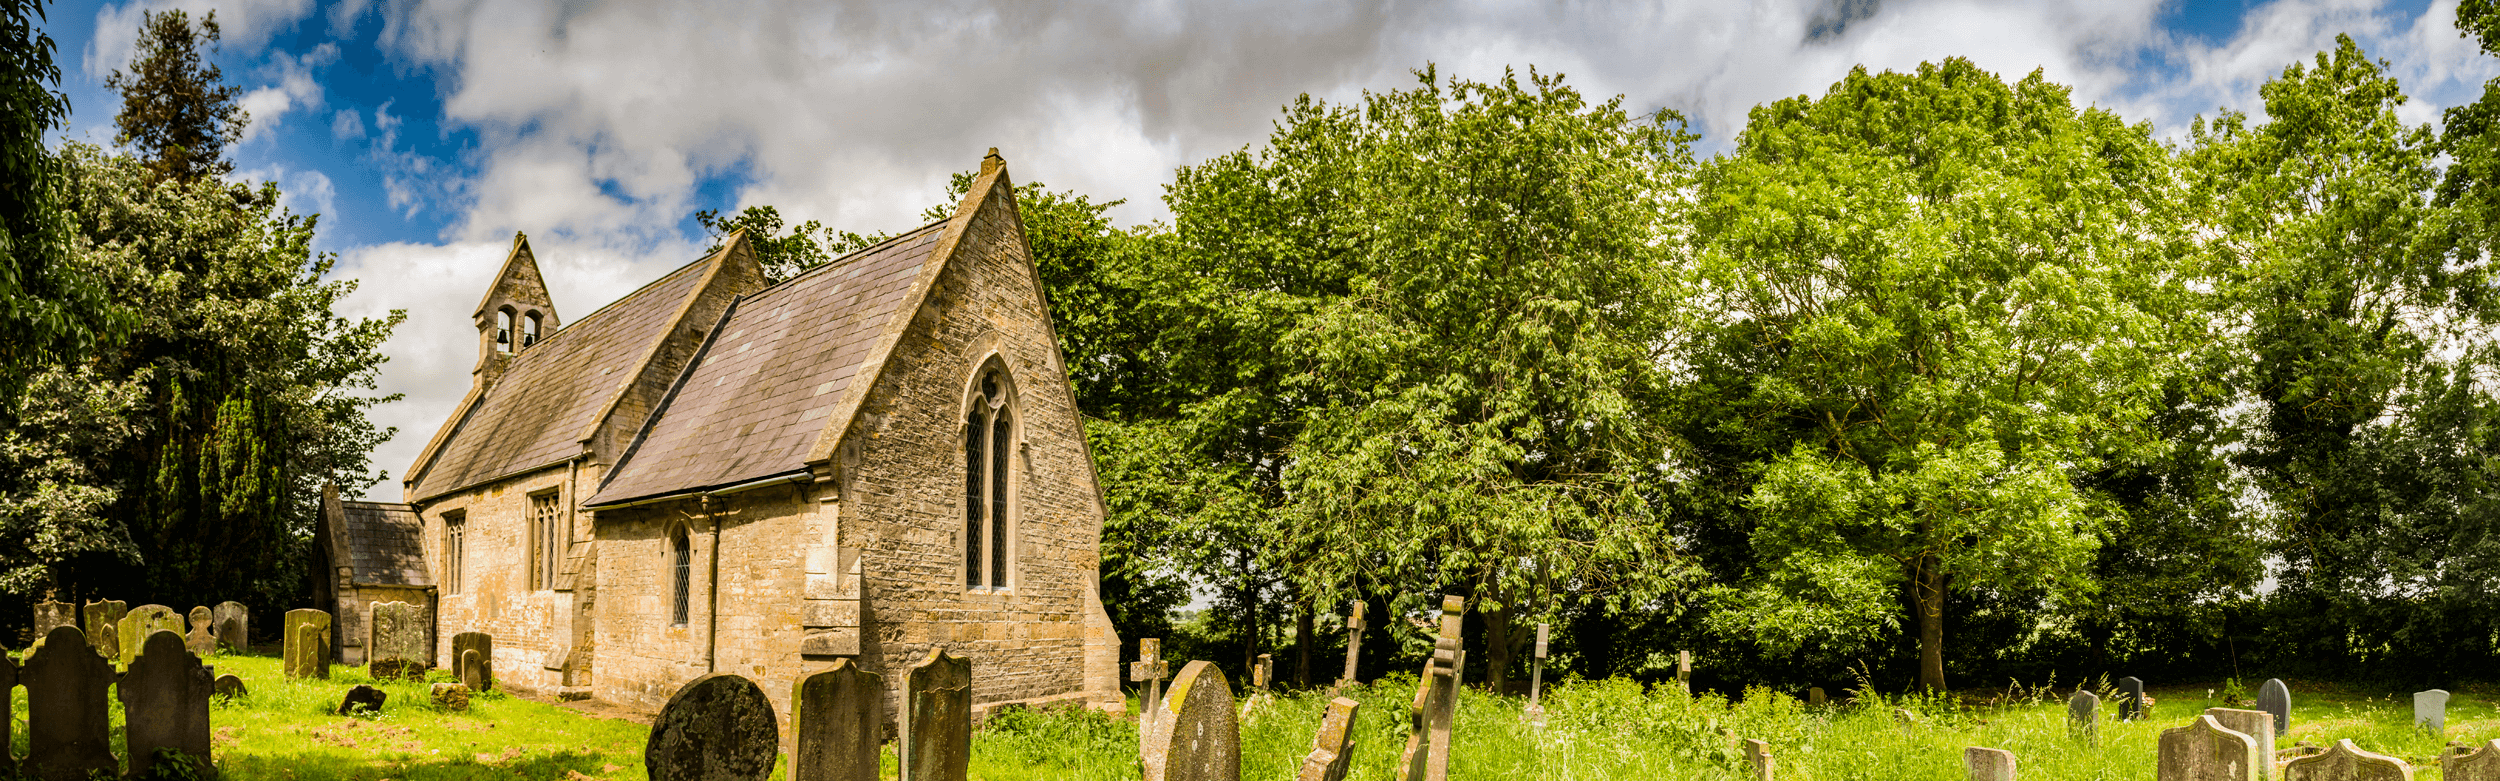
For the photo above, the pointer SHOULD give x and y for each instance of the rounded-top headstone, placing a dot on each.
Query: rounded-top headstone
(2275, 698)
(231, 686)
(1196, 738)
(719, 727)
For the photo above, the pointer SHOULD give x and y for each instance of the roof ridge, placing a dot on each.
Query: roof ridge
(611, 305)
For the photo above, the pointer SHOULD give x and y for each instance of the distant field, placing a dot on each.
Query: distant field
(1596, 730)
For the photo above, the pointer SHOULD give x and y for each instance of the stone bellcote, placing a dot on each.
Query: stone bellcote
(515, 315)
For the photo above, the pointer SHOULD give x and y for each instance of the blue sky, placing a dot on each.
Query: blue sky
(426, 133)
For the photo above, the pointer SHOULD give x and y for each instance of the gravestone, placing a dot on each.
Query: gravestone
(395, 645)
(307, 644)
(164, 703)
(1816, 698)
(937, 719)
(1332, 750)
(2206, 751)
(201, 639)
(473, 660)
(2430, 711)
(362, 699)
(49, 614)
(840, 724)
(1262, 672)
(2479, 764)
(2347, 762)
(1196, 737)
(1149, 670)
(2083, 716)
(104, 626)
(719, 727)
(143, 621)
(1758, 759)
(1427, 756)
(2131, 698)
(2257, 725)
(233, 624)
(1684, 671)
(1536, 680)
(69, 734)
(229, 686)
(2276, 698)
(1353, 642)
(1989, 764)
(449, 696)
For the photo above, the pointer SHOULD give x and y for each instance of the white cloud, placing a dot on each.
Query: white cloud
(347, 125)
(296, 88)
(245, 24)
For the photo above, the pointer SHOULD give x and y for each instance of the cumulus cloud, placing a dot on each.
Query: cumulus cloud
(246, 24)
(295, 88)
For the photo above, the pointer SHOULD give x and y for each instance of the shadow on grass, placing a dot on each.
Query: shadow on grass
(560, 765)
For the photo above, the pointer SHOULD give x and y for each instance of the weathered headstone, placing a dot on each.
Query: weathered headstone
(2480, 764)
(1353, 642)
(201, 638)
(449, 696)
(1262, 672)
(1149, 670)
(1427, 756)
(1332, 750)
(1196, 737)
(1536, 680)
(143, 621)
(233, 624)
(473, 659)
(104, 626)
(49, 614)
(1816, 698)
(1684, 671)
(165, 703)
(2257, 725)
(2347, 762)
(719, 727)
(840, 724)
(2131, 698)
(362, 699)
(2083, 716)
(1758, 760)
(2206, 751)
(2275, 698)
(2430, 711)
(1989, 764)
(937, 719)
(229, 686)
(307, 644)
(395, 645)
(69, 734)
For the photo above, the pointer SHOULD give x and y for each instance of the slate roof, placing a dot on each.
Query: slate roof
(383, 544)
(753, 403)
(546, 400)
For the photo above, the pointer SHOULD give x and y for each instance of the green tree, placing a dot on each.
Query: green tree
(1937, 301)
(177, 110)
(48, 306)
(783, 256)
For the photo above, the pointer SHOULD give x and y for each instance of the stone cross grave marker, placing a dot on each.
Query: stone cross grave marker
(143, 621)
(2430, 711)
(1196, 737)
(1353, 642)
(1149, 669)
(840, 724)
(104, 626)
(164, 702)
(2276, 698)
(2257, 725)
(233, 624)
(2131, 699)
(307, 644)
(1536, 680)
(1989, 764)
(1427, 756)
(2204, 750)
(201, 639)
(69, 734)
(937, 719)
(2347, 762)
(49, 614)
(1332, 750)
(718, 727)
(2480, 764)
(1758, 759)
(395, 646)
(473, 660)
(2083, 716)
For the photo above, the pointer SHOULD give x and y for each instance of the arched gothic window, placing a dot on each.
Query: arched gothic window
(529, 330)
(681, 566)
(503, 330)
(989, 443)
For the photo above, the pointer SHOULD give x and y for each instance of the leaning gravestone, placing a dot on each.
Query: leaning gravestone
(69, 733)
(362, 699)
(307, 644)
(49, 614)
(1759, 760)
(396, 647)
(2083, 716)
(144, 621)
(1989, 764)
(1332, 750)
(2131, 698)
(473, 659)
(937, 719)
(2480, 764)
(2276, 698)
(104, 621)
(1195, 738)
(2257, 725)
(2430, 711)
(2347, 762)
(718, 727)
(201, 639)
(165, 704)
(1427, 756)
(840, 724)
(233, 624)
(2206, 751)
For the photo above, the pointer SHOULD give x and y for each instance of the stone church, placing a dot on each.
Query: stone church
(878, 457)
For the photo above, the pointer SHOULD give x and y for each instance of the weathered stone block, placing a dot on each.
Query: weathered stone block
(831, 612)
(843, 641)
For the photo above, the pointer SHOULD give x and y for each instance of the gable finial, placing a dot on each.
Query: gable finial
(993, 162)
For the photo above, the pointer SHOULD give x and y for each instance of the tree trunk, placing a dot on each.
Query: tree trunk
(1302, 644)
(1927, 588)
(1497, 648)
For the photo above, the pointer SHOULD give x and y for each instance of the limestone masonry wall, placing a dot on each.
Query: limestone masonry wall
(495, 596)
(643, 657)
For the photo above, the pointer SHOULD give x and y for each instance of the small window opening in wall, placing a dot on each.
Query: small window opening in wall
(989, 431)
(529, 330)
(681, 564)
(547, 541)
(455, 546)
(503, 330)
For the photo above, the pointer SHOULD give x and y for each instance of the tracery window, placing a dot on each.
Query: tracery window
(546, 539)
(989, 443)
(455, 546)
